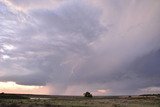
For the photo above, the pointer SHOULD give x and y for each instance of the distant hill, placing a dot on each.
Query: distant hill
(12, 96)
(157, 95)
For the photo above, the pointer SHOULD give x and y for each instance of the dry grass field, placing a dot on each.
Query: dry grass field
(79, 101)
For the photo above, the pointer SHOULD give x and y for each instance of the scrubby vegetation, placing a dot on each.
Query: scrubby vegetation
(80, 101)
(88, 94)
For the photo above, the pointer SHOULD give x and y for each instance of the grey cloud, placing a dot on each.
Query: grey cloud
(69, 45)
(147, 69)
(52, 39)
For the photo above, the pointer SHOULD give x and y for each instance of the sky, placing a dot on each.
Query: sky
(68, 47)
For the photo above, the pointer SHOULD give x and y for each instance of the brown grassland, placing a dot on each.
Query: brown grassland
(80, 101)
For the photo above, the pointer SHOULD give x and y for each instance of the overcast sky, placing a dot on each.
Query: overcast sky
(107, 47)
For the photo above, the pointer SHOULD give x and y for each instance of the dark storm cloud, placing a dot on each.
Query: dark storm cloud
(146, 70)
(48, 39)
(69, 45)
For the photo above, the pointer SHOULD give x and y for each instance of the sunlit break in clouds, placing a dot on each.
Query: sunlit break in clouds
(68, 47)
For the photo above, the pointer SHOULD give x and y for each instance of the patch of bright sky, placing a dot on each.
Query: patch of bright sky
(8, 47)
(1, 50)
(12, 87)
(5, 57)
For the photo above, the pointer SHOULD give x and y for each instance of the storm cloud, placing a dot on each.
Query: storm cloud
(98, 45)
